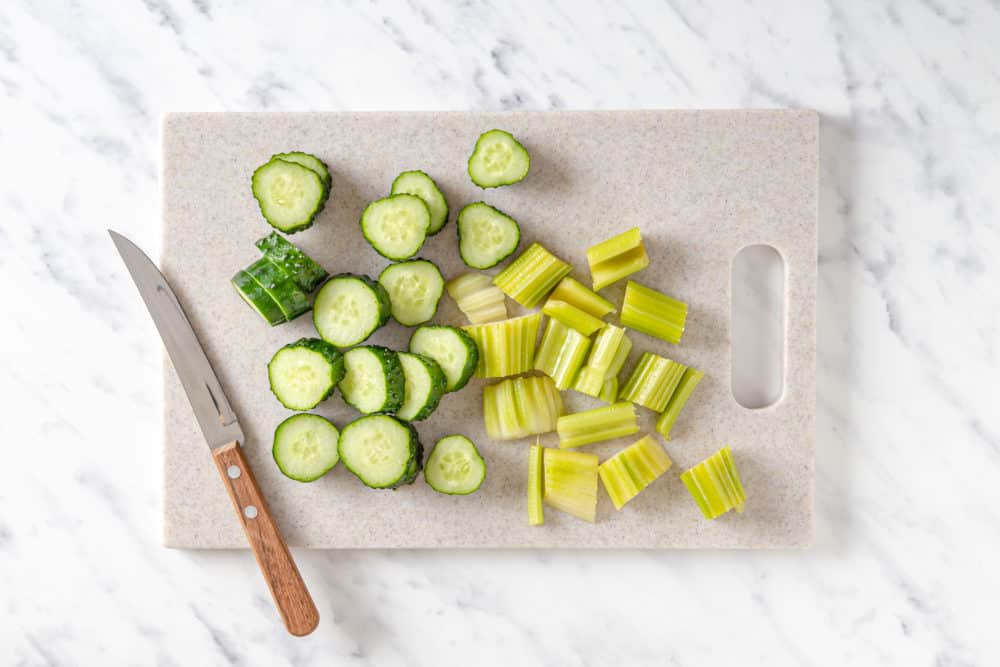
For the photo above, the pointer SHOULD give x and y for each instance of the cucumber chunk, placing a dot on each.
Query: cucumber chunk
(306, 273)
(305, 447)
(424, 385)
(486, 236)
(454, 351)
(414, 288)
(420, 184)
(373, 379)
(257, 298)
(309, 161)
(396, 226)
(381, 451)
(304, 373)
(349, 308)
(289, 195)
(498, 159)
(279, 286)
(455, 466)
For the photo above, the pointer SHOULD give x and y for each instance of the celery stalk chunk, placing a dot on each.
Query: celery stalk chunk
(653, 313)
(676, 403)
(570, 482)
(518, 407)
(609, 392)
(715, 484)
(603, 423)
(607, 355)
(530, 277)
(561, 353)
(572, 316)
(653, 382)
(478, 298)
(506, 347)
(632, 469)
(579, 295)
(536, 513)
(616, 258)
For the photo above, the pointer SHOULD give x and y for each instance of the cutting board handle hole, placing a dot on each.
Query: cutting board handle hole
(757, 326)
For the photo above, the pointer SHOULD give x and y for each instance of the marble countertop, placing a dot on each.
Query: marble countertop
(908, 441)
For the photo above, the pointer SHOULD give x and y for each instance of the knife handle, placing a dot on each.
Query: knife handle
(291, 597)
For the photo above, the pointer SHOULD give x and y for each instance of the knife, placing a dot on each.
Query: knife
(224, 436)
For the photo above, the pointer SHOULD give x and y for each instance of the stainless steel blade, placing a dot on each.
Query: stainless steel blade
(211, 407)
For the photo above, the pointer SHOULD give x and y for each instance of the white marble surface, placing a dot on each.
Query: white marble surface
(903, 572)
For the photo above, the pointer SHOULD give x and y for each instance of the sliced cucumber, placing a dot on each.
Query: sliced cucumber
(423, 388)
(373, 379)
(486, 236)
(304, 373)
(306, 273)
(396, 226)
(420, 184)
(257, 298)
(455, 466)
(381, 451)
(349, 308)
(414, 288)
(498, 159)
(454, 351)
(279, 286)
(305, 447)
(289, 195)
(309, 161)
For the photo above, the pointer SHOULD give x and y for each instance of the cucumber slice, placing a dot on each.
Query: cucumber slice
(424, 385)
(455, 466)
(289, 195)
(454, 351)
(349, 308)
(486, 236)
(396, 226)
(304, 373)
(306, 273)
(257, 298)
(420, 184)
(414, 289)
(373, 380)
(381, 451)
(309, 161)
(279, 286)
(305, 447)
(498, 159)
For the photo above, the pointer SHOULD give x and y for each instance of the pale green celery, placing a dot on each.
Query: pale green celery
(609, 351)
(570, 482)
(652, 382)
(604, 423)
(653, 313)
(506, 347)
(561, 353)
(530, 277)
(715, 484)
(519, 407)
(633, 469)
(478, 298)
(609, 392)
(617, 482)
(676, 403)
(616, 258)
(577, 294)
(536, 513)
(572, 316)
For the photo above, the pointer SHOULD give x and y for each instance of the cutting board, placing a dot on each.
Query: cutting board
(702, 185)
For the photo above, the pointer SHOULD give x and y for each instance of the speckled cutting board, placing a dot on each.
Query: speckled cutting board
(700, 184)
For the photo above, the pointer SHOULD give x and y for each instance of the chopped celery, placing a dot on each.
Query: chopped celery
(519, 407)
(633, 469)
(619, 256)
(506, 347)
(478, 298)
(530, 277)
(570, 481)
(536, 513)
(609, 392)
(577, 294)
(653, 313)
(561, 353)
(604, 423)
(681, 394)
(653, 382)
(609, 351)
(715, 484)
(572, 316)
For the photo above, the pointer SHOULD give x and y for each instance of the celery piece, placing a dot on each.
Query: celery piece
(518, 407)
(607, 354)
(530, 277)
(652, 382)
(616, 258)
(570, 482)
(688, 382)
(653, 313)
(617, 482)
(604, 423)
(536, 513)
(561, 353)
(633, 469)
(572, 316)
(715, 484)
(478, 298)
(609, 392)
(577, 294)
(506, 347)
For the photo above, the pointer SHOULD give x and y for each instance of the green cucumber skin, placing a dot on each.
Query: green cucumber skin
(311, 218)
(439, 386)
(279, 285)
(334, 356)
(447, 208)
(470, 344)
(476, 149)
(385, 306)
(413, 465)
(437, 301)
(320, 167)
(258, 299)
(459, 493)
(458, 226)
(395, 382)
(303, 269)
(277, 458)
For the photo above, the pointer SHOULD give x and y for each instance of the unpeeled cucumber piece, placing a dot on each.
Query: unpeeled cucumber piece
(455, 466)
(349, 308)
(418, 183)
(382, 451)
(396, 226)
(309, 161)
(280, 287)
(498, 159)
(305, 447)
(289, 195)
(306, 273)
(255, 297)
(486, 235)
(424, 385)
(304, 373)
(414, 287)
(373, 380)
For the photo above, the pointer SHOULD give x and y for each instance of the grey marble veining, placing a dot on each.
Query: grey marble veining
(908, 441)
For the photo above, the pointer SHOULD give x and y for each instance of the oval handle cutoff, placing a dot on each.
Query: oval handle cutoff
(757, 319)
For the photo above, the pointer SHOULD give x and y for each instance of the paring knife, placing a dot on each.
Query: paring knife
(222, 432)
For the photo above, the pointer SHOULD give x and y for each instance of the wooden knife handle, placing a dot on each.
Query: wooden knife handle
(295, 605)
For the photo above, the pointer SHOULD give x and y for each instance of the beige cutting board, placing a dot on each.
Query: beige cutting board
(700, 184)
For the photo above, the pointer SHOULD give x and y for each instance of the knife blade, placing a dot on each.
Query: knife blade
(222, 432)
